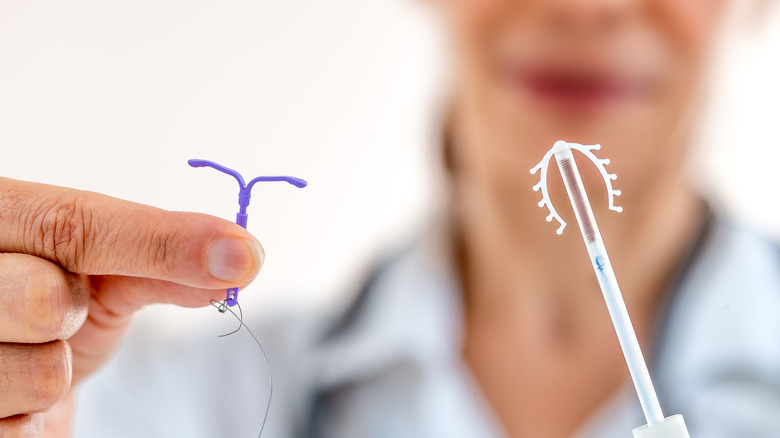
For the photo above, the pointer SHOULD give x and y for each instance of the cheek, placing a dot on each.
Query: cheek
(692, 24)
(472, 8)
(475, 17)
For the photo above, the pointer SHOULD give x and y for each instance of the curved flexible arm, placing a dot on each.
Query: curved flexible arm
(297, 182)
(542, 184)
(586, 150)
(221, 168)
(600, 163)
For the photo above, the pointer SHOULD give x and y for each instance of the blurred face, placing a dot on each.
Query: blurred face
(622, 73)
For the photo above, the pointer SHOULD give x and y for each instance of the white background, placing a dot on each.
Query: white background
(114, 97)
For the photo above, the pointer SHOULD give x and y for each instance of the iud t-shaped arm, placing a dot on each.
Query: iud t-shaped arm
(244, 196)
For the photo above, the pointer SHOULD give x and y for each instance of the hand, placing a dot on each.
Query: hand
(74, 267)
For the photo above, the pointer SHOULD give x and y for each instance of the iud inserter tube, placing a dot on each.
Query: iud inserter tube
(657, 426)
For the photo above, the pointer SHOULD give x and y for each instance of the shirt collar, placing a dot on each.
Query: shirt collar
(409, 311)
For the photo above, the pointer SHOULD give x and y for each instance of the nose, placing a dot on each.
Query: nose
(587, 17)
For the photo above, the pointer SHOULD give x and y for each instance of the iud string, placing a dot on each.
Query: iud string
(231, 299)
(219, 305)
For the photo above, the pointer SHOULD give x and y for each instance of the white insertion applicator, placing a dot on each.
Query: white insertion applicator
(657, 426)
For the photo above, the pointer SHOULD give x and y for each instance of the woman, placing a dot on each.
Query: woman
(490, 325)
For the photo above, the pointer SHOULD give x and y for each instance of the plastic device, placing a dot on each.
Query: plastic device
(244, 196)
(657, 426)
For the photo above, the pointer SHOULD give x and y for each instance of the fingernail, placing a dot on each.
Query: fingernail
(233, 259)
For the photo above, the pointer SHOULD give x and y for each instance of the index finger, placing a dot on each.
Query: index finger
(93, 234)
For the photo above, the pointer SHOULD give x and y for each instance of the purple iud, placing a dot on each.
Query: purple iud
(244, 195)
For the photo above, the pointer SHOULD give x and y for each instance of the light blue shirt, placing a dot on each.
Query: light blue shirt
(390, 365)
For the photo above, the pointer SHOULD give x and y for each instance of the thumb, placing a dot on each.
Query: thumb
(93, 234)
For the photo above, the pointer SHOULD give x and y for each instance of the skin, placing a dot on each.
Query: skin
(75, 266)
(538, 338)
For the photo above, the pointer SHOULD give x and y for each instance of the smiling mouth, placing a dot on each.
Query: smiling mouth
(576, 90)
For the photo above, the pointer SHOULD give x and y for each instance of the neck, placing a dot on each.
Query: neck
(514, 264)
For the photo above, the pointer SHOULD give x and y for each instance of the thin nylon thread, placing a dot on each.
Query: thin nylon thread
(222, 307)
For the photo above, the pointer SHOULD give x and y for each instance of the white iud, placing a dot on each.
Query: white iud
(657, 426)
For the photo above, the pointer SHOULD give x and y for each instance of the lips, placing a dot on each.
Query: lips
(573, 89)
